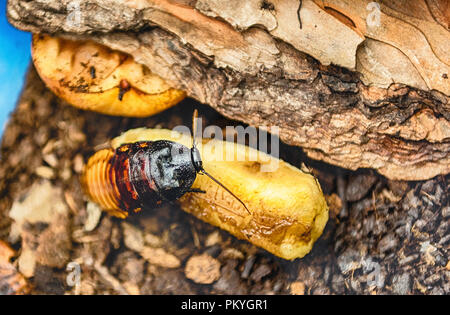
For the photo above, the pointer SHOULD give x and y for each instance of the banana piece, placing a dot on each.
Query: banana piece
(93, 77)
(288, 211)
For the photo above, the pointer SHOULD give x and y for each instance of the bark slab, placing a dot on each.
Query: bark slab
(314, 88)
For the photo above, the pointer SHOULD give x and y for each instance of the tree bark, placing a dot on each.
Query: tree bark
(259, 67)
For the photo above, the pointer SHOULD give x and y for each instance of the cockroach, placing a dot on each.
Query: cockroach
(143, 175)
(124, 86)
(92, 72)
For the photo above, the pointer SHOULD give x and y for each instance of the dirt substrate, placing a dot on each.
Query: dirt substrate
(383, 237)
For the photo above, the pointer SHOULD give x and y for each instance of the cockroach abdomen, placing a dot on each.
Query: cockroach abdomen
(120, 180)
(99, 183)
(136, 189)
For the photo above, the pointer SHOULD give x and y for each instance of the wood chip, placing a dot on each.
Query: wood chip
(115, 284)
(133, 237)
(11, 281)
(51, 159)
(159, 257)
(78, 163)
(213, 238)
(232, 253)
(45, 172)
(297, 288)
(93, 216)
(152, 240)
(70, 202)
(131, 288)
(202, 269)
(41, 221)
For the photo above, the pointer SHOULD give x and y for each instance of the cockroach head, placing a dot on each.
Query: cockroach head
(197, 160)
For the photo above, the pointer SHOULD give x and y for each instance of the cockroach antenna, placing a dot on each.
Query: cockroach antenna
(196, 159)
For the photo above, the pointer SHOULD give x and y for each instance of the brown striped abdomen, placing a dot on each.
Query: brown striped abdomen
(99, 183)
(120, 182)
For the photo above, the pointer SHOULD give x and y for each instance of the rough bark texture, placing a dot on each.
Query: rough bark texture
(257, 74)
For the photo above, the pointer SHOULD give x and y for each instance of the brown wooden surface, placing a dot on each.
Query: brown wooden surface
(259, 75)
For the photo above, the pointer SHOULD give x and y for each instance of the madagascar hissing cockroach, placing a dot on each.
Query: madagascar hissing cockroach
(143, 175)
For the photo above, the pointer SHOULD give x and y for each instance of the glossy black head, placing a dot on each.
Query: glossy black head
(172, 169)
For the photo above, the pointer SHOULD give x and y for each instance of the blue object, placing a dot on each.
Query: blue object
(14, 61)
